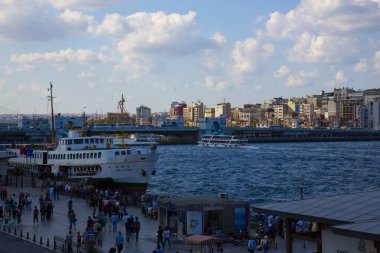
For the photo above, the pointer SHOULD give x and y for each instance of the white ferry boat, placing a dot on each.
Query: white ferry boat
(129, 165)
(221, 141)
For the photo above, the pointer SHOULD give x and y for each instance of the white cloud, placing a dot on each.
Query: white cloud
(61, 58)
(326, 17)
(323, 48)
(152, 37)
(32, 87)
(249, 57)
(258, 87)
(340, 77)
(361, 66)
(376, 62)
(219, 38)
(84, 75)
(77, 22)
(81, 4)
(282, 71)
(215, 83)
(302, 78)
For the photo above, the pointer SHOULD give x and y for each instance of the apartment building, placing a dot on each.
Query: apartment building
(143, 114)
(223, 110)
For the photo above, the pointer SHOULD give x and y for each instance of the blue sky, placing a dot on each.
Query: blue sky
(156, 52)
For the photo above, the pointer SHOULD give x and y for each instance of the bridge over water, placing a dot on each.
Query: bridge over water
(172, 135)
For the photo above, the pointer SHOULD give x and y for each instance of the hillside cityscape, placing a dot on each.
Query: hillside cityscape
(343, 108)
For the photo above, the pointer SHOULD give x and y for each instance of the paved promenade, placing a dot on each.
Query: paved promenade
(59, 225)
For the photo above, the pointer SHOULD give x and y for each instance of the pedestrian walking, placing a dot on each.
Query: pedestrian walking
(114, 219)
(159, 235)
(35, 215)
(119, 242)
(136, 228)
(167, 237)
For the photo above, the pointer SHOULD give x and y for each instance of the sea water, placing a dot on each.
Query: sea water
(261, 173)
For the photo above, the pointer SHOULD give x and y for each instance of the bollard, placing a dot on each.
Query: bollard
(15, 233)
(21, 233)
(47, 243)
(27, 235)
(63, 247)
(9, 229)
(54, 244)
(40, 239)
(34, 238)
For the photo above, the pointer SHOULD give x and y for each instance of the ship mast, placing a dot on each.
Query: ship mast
(52, 114)
(121, 107)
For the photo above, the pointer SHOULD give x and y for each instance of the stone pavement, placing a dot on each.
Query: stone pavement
(59, 226)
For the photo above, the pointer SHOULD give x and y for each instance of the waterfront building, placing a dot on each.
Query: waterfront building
(203, 215)
(293, 106)
(143, 114)
(209, 113)
(198, 112)
(279, 111)
(223, 110)
(307, 110)
(341, 223)
(176, 110)
(374, 115)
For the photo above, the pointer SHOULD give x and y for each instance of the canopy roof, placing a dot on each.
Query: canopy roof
(202, 240)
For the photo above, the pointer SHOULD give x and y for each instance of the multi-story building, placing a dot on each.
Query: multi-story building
(293, 106)
(176, 110)
(307, 110)
(332, 107)
(143, 114)
(209, 113)
(279, 111)
(374, 115)
(198, 111)
(223, 110)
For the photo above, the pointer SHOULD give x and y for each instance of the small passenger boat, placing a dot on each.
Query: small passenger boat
(221, 141)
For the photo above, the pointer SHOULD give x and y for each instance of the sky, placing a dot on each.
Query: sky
(156, 52)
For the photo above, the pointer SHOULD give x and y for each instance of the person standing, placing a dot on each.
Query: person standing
(114, 219)
(159, 235)
(119, 242)
(136, 228)
(69, 242)
(35, 215)
(167, 237)
(219, 249)
(252, 245)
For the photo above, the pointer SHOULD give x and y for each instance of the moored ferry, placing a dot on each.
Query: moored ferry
(221, 141)
(129, 165)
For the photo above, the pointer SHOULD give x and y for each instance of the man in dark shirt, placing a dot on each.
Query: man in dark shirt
(160, 241)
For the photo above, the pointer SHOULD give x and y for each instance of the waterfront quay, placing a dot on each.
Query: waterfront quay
(57, 228)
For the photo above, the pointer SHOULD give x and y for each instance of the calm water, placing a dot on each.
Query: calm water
(262, 173)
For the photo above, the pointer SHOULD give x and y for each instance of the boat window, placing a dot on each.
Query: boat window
(101, 141)
(123, 152)
(95, 155)
(96, 140)
(78, 141)
(138, 152)
(69, 142)
(128, 151)
(91, 140)
(117, 153)
(77, 155)
(88, 155)
(86, 141)
(99, 154)
(92, 155)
